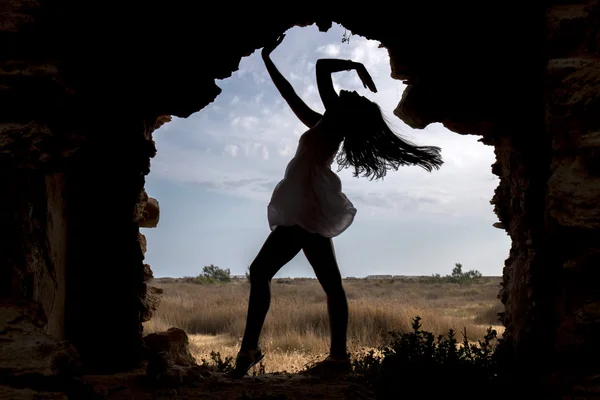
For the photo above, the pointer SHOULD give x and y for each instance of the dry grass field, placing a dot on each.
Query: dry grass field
(296, 330)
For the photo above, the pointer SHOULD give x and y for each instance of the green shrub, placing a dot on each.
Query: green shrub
(217, 363)
(457, 276)
(419, 364)
(210, 274)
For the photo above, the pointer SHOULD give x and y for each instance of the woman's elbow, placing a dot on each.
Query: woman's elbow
(321, 63)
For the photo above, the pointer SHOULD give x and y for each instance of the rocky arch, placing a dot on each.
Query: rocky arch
(82, 89)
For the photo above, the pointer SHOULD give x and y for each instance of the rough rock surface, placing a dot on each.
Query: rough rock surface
(170, 361)
(548, 201)
(143, 246)
(151, 301)
(148, 274)
(31, 358)
(151, 214)
(11, 393)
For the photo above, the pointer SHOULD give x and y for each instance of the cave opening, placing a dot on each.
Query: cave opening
(214, 171)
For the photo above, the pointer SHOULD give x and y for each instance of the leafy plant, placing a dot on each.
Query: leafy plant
(457, 276)
(417, 363)
(215, 273)
(210, 274)
(218, 364)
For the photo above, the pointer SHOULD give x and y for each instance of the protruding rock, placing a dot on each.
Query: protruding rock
(173, 343)
(148, 274)
(151, 302)
(499, 225)
(143, 243)
(160, 121)
(170, 361)
(150, 214)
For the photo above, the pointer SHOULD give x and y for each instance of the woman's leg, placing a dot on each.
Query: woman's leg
(321, 255)
(280, 247)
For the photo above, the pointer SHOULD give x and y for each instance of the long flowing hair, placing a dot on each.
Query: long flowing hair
(371, 147)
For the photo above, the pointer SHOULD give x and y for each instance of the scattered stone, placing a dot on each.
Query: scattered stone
(170, 362)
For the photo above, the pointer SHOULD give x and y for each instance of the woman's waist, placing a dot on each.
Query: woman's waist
(302, 167)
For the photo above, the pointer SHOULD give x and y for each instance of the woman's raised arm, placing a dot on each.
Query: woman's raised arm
(307, 115)
(326, 66)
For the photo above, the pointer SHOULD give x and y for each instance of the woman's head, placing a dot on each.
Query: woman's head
(352, 109)
(369, 145)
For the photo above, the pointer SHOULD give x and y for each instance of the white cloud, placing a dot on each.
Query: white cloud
(310, 91)
(330, 50)
(259, 78)
(232, 150)
(246, 122)
(258, 98)
(250, 150)
(285, 151)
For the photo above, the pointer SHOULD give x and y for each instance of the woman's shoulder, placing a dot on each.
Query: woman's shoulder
(309, 134)
(319, 140)
(315, 132)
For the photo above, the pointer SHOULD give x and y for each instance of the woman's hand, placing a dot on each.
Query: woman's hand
(266, 51)
(364, 76)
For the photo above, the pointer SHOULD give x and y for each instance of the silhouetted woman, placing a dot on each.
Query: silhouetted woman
(308, 207)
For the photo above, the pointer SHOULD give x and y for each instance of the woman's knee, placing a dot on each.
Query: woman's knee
(258, 273)
(334, 288)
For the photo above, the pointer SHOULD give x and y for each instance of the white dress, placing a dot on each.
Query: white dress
(310, 194)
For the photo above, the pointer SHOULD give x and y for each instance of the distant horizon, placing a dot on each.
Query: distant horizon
(313, 277)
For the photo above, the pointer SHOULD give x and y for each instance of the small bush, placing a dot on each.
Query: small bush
(419, 364)
(217, 363)
(457, 276)
(210, 274)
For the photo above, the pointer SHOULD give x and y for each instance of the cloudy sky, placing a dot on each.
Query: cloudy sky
(214, 173)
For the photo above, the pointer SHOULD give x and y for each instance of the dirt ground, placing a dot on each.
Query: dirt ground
(132, 386)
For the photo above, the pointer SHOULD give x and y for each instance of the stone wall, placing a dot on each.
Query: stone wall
(572, 213)
(105, 283)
